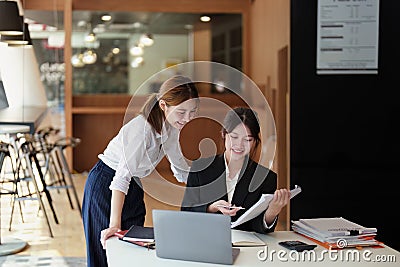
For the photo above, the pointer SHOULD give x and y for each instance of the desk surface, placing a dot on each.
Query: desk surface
(120, 253)
(30, 116)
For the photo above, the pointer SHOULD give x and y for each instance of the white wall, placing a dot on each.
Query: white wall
(21, 78)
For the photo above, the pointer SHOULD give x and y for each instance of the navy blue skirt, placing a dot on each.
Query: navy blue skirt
(96, 208)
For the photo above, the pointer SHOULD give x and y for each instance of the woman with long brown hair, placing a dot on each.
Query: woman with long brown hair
(111, 201)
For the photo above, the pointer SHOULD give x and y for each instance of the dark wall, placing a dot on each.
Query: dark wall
(345, 148)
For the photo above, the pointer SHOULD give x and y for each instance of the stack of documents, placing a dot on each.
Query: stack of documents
(336, 233)
(260, 206)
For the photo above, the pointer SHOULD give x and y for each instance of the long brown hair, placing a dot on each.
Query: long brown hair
(173, 91)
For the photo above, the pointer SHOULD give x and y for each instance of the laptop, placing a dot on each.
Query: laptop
(193, 236)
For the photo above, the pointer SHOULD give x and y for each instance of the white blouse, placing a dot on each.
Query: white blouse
(137, 149)
(230, 183)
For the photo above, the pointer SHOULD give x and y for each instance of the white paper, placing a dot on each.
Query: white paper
(260, 206)
(337, 226)
(245, 238)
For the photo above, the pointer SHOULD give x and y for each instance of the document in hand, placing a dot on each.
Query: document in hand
(139, 233)
(260, 206)
(245, 239)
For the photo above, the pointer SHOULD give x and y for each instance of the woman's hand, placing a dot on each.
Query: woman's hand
(117, 201)
(281, 199)
(220, 205)
(106, 233)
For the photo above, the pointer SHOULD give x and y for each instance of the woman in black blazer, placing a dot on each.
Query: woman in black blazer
(233, 179)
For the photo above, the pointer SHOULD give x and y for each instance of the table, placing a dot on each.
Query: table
(121, 253)
(27, 115)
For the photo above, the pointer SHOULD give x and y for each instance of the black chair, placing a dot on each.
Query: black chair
(29, 169)
(56, 167)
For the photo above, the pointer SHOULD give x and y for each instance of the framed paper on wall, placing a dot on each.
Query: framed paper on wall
(347, 37)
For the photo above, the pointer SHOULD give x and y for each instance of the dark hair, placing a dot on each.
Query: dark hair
(244, 115)
(173, 91)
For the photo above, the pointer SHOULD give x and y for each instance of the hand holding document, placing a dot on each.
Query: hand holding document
(260, 206)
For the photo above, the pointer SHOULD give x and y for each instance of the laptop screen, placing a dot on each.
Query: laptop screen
(193, 236)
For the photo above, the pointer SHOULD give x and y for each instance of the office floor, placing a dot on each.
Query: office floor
(68, 237)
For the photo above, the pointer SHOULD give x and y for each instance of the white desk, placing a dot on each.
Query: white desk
(120, 254)
(30, 116)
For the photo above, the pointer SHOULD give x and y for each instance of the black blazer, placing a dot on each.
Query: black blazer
(207, 184)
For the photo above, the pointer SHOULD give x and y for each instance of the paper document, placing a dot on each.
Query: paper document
(337, 226)
(245, 239)
(260, 206)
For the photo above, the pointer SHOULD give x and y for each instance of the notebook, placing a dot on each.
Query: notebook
(139, 233)
(193, 236)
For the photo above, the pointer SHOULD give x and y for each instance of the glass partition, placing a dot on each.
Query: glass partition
(110, 56)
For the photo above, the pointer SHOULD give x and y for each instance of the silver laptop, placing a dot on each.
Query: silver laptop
(193, 236)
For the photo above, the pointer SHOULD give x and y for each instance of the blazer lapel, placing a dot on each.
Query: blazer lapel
(242, 186)
(221, 183)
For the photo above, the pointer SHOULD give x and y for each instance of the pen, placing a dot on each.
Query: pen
(230, 207)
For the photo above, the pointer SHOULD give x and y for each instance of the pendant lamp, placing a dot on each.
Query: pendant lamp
(14, 40)
(10, 20)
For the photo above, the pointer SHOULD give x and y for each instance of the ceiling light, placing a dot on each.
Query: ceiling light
(77, 60)
(90, 37)
(147, 39)
(137, 62)
(115, 50)
(89, 57)
(17, 40)
(106, 17)
(205, 18)
(13, 40)
(138, 59)
(136, 50)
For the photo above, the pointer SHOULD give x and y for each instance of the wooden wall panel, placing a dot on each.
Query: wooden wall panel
(182, 6)
(47, 5)
(95, 131)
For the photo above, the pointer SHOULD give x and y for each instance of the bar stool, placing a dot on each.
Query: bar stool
(9, 245)
(26, 168)
(56, 166)
(28, 152)
(59, 147)
(11, 133)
